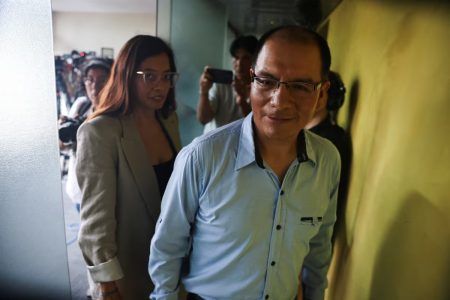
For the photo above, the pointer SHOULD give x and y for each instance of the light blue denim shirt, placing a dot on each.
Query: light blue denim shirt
(247, 235)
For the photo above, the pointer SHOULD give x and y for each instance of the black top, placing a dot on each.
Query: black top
(163, 172)
(342, 140)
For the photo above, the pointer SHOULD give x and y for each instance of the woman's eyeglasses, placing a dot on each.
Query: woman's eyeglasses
(152, 77)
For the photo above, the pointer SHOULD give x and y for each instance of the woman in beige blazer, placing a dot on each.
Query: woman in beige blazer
(125, 156)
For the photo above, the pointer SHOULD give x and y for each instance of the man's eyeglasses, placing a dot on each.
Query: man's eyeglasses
(297, 88)
(91, 80)
(152, 77)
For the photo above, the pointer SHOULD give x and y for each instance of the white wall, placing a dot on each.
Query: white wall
(92, 31)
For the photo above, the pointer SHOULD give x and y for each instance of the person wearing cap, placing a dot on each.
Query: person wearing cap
(220, 104)
(95, 74)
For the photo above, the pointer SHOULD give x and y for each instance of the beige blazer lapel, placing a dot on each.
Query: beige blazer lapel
(141, 168)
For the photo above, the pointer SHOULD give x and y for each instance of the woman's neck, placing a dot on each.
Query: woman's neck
(144, 115)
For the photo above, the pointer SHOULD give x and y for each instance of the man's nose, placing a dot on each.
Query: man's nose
(98, 85)
(280, 96)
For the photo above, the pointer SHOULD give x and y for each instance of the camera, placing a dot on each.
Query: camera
(68, 130)
(221, 76)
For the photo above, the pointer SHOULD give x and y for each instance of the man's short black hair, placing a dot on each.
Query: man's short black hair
(303, 34)
(100, 63)
(246, 42)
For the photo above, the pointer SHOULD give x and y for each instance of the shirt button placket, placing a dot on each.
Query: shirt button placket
(279, 226)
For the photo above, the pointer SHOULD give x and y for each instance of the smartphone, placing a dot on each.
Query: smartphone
(221, 76)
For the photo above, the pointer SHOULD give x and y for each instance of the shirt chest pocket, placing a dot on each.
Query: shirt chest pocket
(306, 224)
(300, 229)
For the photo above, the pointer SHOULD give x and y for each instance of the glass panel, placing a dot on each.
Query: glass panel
(105, 27)
(33, 260)
(200, 43)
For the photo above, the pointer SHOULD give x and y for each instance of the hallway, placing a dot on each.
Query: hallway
(77, 269)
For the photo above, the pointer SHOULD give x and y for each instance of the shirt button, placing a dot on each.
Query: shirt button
(272, 263)
(266, 297)
(278, 227)
(282, 193)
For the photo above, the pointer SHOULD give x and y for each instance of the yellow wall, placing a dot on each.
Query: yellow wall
(394, 58)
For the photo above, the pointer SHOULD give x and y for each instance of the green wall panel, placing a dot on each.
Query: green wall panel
(198, 36)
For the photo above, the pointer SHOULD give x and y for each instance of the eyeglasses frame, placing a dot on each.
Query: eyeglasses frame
(160, 75)
(315, 86)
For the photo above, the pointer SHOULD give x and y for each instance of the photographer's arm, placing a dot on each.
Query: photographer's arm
(242, 93)
(205, 112)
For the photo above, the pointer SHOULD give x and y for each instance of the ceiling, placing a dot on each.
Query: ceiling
(245, 16)
(105, 6)
(257, 16)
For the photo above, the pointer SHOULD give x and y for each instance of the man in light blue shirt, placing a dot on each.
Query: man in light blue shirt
(249, 210)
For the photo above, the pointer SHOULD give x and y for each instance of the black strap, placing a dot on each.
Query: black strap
(192, 296)
(84, 108)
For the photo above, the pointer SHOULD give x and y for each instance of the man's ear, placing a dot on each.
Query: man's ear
(323, 96)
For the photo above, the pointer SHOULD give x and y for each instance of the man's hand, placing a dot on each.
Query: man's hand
(62, 119)
(300, 288)
(205, 81)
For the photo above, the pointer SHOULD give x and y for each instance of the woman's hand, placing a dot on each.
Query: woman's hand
(109, 291)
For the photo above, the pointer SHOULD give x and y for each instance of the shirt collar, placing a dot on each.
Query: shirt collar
(248, 151)
(246, 148)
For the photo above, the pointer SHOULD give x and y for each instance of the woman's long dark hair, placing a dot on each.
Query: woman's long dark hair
(115, 98)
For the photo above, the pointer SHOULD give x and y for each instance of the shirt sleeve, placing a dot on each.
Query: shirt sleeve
(317, 262)
(214, 97)
(172, 239)
(96, 174)
(74, 111)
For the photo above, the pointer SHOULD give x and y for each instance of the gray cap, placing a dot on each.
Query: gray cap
(97, 63)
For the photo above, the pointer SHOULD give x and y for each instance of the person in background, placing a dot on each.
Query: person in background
(324, 124)
(96, 72)
(220, 104)
(126, 151)
(250, 208)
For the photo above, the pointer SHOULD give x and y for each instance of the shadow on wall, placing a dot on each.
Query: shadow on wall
(353, 101)
(340, 227)
(414, 260)
(341, 242)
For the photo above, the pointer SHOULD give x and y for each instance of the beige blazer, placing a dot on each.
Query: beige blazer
(120, 202)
